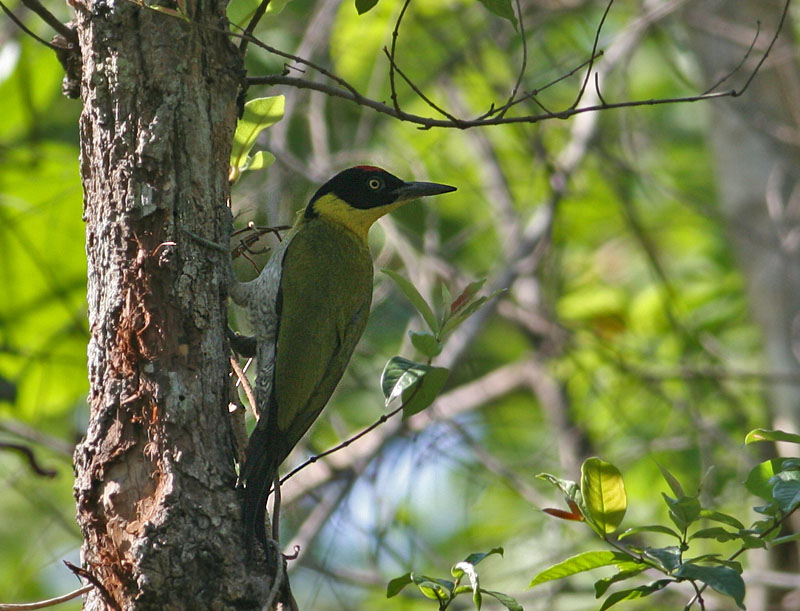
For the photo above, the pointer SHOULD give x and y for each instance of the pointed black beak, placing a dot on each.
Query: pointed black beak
(413, 190)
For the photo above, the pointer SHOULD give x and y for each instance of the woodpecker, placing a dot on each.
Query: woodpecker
(308, 308)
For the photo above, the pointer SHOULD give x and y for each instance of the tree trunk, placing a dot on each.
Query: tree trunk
(155, 476)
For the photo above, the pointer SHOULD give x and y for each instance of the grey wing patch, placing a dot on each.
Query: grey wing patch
(260, 297)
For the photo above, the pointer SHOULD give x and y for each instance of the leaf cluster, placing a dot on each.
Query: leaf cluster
(444, 591)
(600, 501)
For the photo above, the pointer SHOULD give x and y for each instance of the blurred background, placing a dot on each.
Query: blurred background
(649, 256)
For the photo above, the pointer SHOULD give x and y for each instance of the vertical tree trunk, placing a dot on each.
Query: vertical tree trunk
(155, 475)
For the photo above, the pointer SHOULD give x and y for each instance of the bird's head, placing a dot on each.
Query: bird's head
(359, 196)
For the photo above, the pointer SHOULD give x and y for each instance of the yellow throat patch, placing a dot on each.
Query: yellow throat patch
(357, 220)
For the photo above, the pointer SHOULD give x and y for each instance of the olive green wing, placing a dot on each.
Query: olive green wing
(324, 300)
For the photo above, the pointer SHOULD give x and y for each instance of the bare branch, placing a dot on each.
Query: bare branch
(592, 55)
(50, 602)
(495, 115)
(25, 28)
(30, 457)
(68, 33)
(248, 31)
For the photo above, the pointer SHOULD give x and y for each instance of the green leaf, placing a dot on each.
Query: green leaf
(578, 564)
(722, 518)
(475, 558)
(417, 385)
(674, 484)
(568, 487)
(786, 539)
(634, 593)
(261, 160)
(433, 588)
(651, 528)
(770, 435)
(603, 492)
(426, 343)
(413, 295)
(453, 322)
(501, 8)
(723, 579)
(759, 481)
(683, 511)
(601, 585)
(258, 115)
(668, 557)
(787, 493)
(394, 587)
(466, 295)
(715, 532)
(468, 569)
(507, 601)
(362, 6)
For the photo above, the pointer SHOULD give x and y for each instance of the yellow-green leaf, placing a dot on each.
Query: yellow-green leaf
(603, 493)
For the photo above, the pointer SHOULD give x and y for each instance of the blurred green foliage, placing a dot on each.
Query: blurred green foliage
(630, 311)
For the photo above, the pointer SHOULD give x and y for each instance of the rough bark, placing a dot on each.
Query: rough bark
(155, 477)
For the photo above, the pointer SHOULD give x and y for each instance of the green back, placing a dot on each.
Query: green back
(324, 300)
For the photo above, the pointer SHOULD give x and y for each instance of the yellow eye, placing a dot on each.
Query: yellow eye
(374, 183)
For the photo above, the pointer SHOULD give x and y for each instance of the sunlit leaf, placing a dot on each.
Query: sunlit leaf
(259, 114)
(433, 588)
(770, 435)
(578, 564)
(467, 568)
(603, 492)
(261, 160)
(759, 481)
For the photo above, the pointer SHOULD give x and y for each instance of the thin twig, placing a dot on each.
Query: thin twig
(50, 602)
(415, 89)
(391, 55)
(344, 444)
(106, 595)
(523, 68)
(68, 33)
(741, 63)
(480, 122)
(30, 457)
(25, 29)
(592, 55)
(771, 44)
(248, 31)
